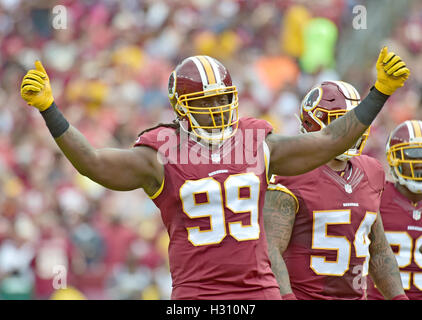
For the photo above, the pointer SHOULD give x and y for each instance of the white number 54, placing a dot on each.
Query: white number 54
(340, 244)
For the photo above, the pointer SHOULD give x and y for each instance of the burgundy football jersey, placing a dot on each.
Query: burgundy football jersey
(211, 204)
(403, 229)
(328, 254)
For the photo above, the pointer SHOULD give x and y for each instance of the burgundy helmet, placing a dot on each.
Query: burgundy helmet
(327, 102)
(197, 77)
(404, 147)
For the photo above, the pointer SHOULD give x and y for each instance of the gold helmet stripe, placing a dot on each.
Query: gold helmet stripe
(201, 70)
(352, 93)
(216, 70)
(416, 128)
(208, 69)
(346, 93)
(410, 130)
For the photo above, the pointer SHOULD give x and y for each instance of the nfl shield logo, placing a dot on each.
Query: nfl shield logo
(215, 157)
(348, 188)
(416, 214)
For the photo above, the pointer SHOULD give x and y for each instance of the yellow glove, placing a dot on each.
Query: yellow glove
(392, 72)
(36, 89)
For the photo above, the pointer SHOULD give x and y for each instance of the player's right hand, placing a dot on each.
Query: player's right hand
(392, 72)
(36, 89)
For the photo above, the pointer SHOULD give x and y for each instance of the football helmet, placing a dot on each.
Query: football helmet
(200, 77)
(404, 154)
(327, 102)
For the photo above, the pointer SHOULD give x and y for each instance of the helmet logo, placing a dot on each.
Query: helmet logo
(312, 99)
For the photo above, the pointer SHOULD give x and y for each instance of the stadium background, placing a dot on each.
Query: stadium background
(109, 71)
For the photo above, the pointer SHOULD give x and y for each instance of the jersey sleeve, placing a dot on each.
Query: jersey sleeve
(148, 139)
(274, 185)
(266, 126)
(249, 122)
(162, 139)
(165, 141)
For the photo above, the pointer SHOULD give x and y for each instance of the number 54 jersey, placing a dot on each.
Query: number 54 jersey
(211, 204)
(328, 254)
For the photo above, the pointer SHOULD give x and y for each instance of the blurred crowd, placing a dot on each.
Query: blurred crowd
(109, 63)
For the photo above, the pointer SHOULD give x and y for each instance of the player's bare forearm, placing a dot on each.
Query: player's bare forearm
(117, 169)
(78, 151)
(279, 269)
(279, 217)
(299, 154)
(383, 267)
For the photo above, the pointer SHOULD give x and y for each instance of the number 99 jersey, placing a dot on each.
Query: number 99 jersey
(211, 204)
(403, 229)
(328, 254)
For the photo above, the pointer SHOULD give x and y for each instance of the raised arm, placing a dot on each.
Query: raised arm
(383, 267)
(298, 154)
(116, 169)
(294, 155)
(279, 217)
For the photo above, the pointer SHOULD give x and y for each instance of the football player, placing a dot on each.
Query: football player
(210, 199)
(323, 228)
(401, 206)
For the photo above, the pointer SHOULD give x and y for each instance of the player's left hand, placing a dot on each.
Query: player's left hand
(392, 72)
